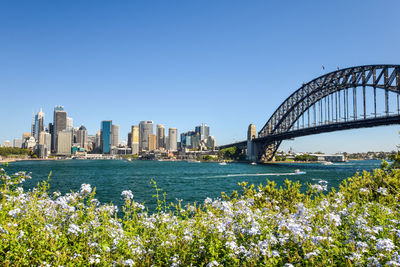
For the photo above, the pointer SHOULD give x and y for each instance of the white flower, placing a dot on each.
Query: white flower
(385, 244)
(207, 200)
(382, 190)
(94, 259)
(127, 194)
(212, 264)
(86, 188)
(364, 190)
(129, 262)
(74, 229)
(14, 212)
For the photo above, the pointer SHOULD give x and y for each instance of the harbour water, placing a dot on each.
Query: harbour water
(187, 181)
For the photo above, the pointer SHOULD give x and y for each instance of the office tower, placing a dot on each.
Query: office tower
(251, 132)
(115, 135)
(98, 140)
(173, 139)
(145, 129)
(129, 144)
(135, 134)
(44, 144)
(25, 136)
(203, 130)
(82, 137)
(152, 142)
(167, 143)
(160, 132)
(59, 124)
(69, 124)
(187, 139)
(64, 143)
(38, 124)
(17, 143)
(106, 137)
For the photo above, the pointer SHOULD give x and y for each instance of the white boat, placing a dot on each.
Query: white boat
(222, 163)
(297, 171)
(327, 163)
(128, 159)
(253, 163)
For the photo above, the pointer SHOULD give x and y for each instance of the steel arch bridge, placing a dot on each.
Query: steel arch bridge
(332, 102)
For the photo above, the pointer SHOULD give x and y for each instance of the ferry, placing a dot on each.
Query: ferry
(222, 163)
(297, 171)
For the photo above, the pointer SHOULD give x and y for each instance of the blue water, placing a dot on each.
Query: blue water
(180, 180)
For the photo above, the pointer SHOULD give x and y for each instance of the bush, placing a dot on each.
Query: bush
(265, 225)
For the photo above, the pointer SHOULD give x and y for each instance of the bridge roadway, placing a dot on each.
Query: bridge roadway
(335, 126)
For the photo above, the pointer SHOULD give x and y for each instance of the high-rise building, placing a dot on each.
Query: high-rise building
(69, 124)
(173, 139)
(17, 143)
(251, 132)
(82, 137)
(152, 142)
(160, 132)
(64, 143)
(145, 129)
(59, 124)
(25, 136)
(115, 135)
(203, 130)
(135, 138)
(44, 144)
(187, 139)
(7, 143)
(38, 125)
(106, 137)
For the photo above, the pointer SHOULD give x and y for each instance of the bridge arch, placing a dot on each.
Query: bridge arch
(329, 87)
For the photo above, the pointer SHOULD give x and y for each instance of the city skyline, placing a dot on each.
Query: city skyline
(135, 61)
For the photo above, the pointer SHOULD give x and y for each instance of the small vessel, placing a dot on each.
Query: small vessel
(253, 163)
(222, 163)
(327, 163)
(128, 159)
(297, 171)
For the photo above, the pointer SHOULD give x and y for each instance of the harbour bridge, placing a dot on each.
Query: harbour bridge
(350, 98)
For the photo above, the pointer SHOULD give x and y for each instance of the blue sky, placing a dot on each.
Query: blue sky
(181, 63)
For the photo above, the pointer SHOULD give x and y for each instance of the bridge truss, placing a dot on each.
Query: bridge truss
(343, 99)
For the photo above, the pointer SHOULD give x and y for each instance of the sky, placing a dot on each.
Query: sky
(182, 63)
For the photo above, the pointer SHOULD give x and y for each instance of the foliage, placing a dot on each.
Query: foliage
(7, 151)
(305, 157)
(260, 226)
(232, 153)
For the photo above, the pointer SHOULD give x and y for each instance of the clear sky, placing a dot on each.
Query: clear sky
(181, 63)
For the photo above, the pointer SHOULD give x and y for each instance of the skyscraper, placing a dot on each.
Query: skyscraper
(59, 124)
(82, 137)
(38, 125)
(135, 139)
(106, 137)
(203, 130)
(115, 135)
(64, 142)
(69, 124)
(160, 132)
(145, 129)
(173, 139)
(152, 142)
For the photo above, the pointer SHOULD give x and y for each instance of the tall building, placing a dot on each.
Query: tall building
(251, 132)
(44, 144)
(115, 135)
(59, 124)
(64, 143)
(152, 142)
(38, 124)
(82, 137)
(160, 132)
(203, 130)
(173, 139)
(7, 143)
(145, 129)
(25, 136)
(106, 137)
(69, 124)
(17, 143)
(135, 134)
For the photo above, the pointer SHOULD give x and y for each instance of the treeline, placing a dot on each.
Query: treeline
(7, 151)
(305, 157)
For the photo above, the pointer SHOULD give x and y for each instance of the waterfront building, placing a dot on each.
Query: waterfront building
(43, 151)
(38, 124)
(187, 139)
(17, 143)
(45, 139)
(145, 129)
(152, 142)
(115, 135)
(129, 140)
(203, 130)
(135, 133)
(82, 137)
(251, 132)
(59, 124)
(173, 139)
(64, 143)
(160, 132)
(106, 137)
(167, 143)
(7, 143)
(29, 143)
(25, 136)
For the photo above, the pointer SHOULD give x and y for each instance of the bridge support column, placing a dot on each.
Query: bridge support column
(251, 151)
